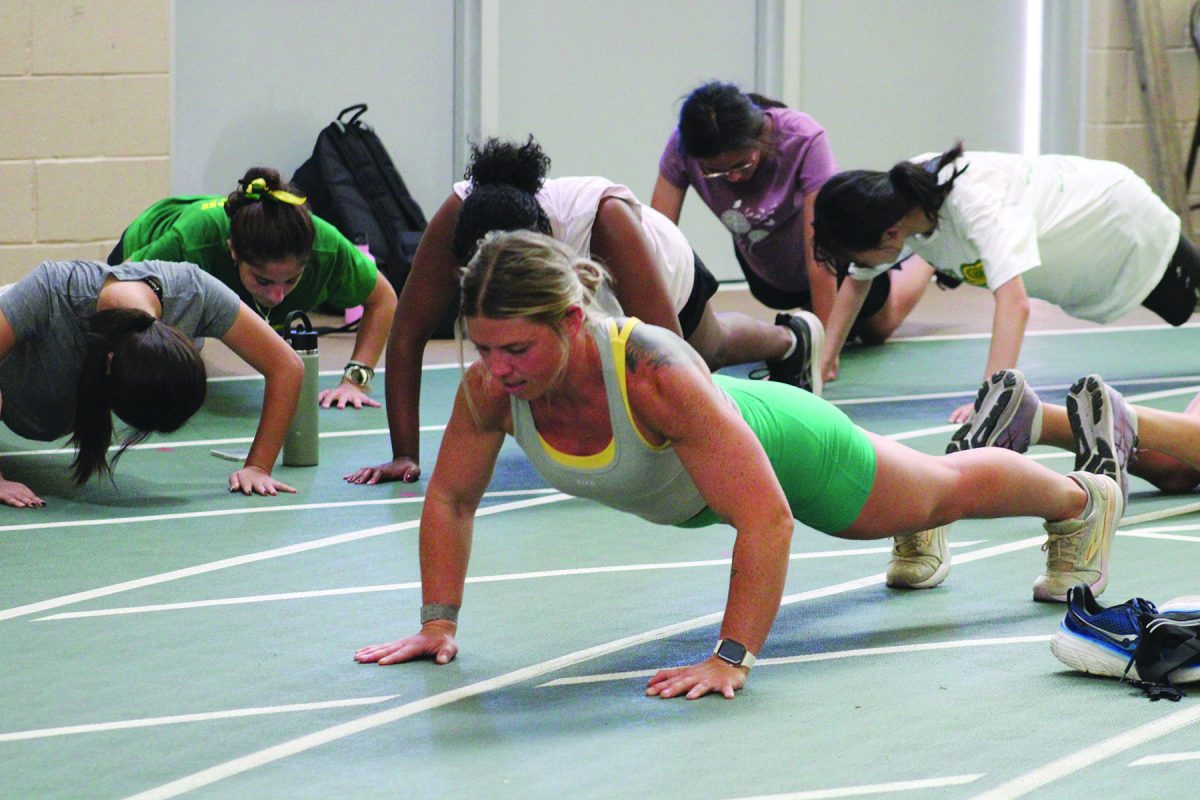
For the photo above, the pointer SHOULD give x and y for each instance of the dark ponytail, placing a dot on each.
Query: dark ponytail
(268, 220)
(719, 118)
(505, 177)
(154, 381)
(854, 208)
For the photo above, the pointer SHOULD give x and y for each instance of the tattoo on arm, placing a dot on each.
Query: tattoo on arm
(644, 351)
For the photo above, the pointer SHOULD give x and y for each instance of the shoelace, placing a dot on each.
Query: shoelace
(911, 546)
(1065, 546)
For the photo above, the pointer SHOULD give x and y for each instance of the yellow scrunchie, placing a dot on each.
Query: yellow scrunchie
(258, 187)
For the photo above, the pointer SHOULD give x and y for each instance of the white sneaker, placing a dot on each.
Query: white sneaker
(1077, 549)
(920, 560)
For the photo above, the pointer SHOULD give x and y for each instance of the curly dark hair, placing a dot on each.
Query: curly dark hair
(505, 177)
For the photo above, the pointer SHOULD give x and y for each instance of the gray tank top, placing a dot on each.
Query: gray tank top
(629, 474)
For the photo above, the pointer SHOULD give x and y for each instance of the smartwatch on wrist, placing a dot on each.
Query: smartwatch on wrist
(734, 653)
(358, 373)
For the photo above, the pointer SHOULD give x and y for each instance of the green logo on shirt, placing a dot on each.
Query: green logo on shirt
(973, 274)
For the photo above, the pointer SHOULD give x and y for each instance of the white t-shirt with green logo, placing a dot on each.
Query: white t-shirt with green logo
(1089, 236)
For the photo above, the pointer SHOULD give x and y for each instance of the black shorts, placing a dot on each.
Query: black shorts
(703, 288)
(780, 299)
(1174, 298)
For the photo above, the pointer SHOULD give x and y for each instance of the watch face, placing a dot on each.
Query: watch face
(731, 651)
(357, 375)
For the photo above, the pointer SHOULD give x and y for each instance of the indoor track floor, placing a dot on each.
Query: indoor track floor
(162, 637)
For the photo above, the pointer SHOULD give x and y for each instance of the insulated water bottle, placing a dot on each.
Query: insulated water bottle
(300, 448)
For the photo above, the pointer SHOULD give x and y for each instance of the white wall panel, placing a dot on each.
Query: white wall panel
(254, 83)
(599, 85)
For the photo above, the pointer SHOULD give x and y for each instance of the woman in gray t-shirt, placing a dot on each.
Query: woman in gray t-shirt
(81, 341)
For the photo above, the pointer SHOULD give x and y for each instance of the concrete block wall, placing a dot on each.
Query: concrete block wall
(85, 124)
(86, 108)
(1115, 128)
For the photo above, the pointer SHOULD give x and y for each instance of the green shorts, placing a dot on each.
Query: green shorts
(825, 463)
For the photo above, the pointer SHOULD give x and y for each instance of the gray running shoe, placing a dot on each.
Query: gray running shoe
(1077, 549)
(1007, 414)
(920, 560)
(801, 368)
(1105, 430)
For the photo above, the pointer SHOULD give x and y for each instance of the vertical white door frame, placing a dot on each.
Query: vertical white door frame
(1064, 76)
(777, 51)
(476, 76)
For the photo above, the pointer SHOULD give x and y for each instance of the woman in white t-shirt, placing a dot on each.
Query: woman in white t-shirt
(1089, 236)
(656, 277)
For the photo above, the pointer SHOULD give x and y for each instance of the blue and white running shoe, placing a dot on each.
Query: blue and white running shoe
(1102, 641)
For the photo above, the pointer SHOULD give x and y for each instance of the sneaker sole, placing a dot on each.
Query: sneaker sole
(1085, 655)
(1088, 411)
(932, 581)
(816, 334)
(1000, 413)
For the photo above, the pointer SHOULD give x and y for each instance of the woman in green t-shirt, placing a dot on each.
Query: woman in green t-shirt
(264, 243)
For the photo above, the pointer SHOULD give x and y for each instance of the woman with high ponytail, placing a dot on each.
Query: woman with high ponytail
(627, 414)
(655, 276)
(82, 342)
(262, 241)
(1089, 236)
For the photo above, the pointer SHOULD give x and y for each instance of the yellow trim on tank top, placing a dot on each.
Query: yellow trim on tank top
(619, 339)
(593, 461)
(605, 456)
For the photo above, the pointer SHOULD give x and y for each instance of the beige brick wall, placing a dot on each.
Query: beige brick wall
(1115, 126)
(85, 124)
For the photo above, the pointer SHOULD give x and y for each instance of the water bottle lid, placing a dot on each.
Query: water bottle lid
(301, 338)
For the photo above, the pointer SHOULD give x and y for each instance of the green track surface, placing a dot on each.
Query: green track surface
(965, 719)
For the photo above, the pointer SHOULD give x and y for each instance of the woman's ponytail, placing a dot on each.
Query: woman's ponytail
(141, 369)
(854, 208)
(919, 182)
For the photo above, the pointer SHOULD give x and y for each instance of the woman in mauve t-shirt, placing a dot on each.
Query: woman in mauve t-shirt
(758, 166)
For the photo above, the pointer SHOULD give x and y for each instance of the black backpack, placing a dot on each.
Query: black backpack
(351, 182)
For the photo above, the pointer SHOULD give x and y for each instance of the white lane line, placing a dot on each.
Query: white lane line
(327, 373)
(150, 722)
(810, 657)
(168, 445)
(1162, 513)
(318, 738)
(249, 558)
(1170, 537)
(1165, 758)
(946, 337)
(225, 512)
(1192, 388)
(937, 429)
(854, 401)
(393, 587)
(870, 788)
(1092, 754)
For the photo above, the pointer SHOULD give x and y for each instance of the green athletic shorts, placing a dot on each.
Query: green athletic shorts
(825, 463)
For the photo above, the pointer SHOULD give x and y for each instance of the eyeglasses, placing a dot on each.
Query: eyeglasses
(745, 166)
